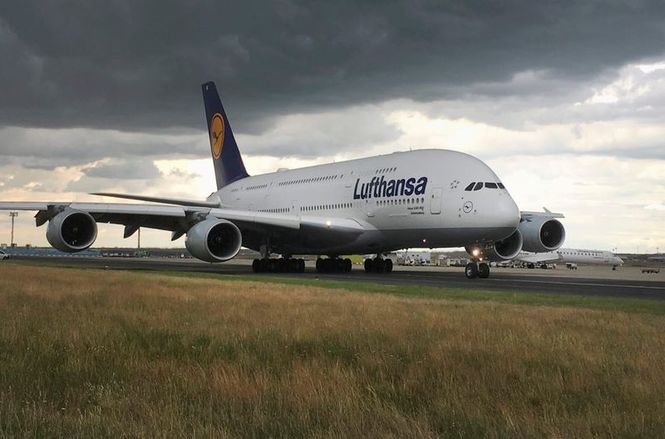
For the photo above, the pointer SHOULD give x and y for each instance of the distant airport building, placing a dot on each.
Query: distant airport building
(410, 257)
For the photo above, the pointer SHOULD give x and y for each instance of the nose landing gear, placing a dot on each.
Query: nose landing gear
(475, 269)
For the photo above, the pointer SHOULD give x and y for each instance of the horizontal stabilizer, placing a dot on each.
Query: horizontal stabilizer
(175, 201)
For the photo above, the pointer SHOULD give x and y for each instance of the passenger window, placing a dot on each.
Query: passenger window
(490, 185)
(470, 186)
(478, 187)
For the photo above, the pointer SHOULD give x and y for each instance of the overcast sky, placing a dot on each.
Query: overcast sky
(564, 100)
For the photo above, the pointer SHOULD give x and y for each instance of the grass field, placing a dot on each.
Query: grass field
(108, 353)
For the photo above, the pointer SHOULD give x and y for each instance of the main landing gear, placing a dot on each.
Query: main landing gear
(378, 265)
(475, 269)
(333, 265)
(278, 265)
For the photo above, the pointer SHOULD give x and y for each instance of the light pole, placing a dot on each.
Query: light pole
(12, 215)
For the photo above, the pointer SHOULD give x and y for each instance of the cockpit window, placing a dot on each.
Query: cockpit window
(476, 186)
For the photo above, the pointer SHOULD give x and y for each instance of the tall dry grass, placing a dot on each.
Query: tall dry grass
(103, 353)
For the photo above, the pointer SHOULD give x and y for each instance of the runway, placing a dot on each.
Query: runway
(605, 283)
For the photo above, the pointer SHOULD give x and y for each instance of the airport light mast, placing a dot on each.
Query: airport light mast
(13, 216)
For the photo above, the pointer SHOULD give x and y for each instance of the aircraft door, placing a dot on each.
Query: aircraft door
(295, 208)
(435, 201)
(369, 206)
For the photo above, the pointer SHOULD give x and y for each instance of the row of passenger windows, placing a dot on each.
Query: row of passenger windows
(384, 170)
(276, 210)
(476, 186)
(258, 186)
(310, 180)
(582, 253)
(326, 207)
(400, 201)
(388, 202)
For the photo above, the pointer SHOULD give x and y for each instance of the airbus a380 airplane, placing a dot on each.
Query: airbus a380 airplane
(423, 198)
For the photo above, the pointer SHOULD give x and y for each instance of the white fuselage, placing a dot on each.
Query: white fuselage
(572, 255)
(406, 199)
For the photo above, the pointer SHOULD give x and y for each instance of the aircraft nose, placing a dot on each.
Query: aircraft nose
(506, 213)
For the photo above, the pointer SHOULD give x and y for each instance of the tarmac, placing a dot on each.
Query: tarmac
(628, 282)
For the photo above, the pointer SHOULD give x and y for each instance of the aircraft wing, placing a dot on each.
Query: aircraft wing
(176, 201)
(178, 219)
(546, 213)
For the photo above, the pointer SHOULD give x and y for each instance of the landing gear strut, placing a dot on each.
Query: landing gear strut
(333, 265)
(475, 269)
(378, 265)
(278, 265)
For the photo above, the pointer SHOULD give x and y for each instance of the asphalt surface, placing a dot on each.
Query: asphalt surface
(498, 281)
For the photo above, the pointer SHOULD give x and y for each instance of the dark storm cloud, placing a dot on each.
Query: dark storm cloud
(50, 148)
(124, 169)
(137, 65)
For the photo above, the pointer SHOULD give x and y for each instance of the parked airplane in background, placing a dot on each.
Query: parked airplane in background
(571, 256)
(423, 198)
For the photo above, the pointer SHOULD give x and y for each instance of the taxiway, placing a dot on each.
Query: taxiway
(598, 281)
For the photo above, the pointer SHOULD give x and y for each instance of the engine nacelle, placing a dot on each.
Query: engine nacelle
(542, 234)
(507, 248)
(503, 250)
(71, 231)
(214, 240)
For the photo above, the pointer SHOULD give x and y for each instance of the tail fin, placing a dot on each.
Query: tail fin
(225, 154)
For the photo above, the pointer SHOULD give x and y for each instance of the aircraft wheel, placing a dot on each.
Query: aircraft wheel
(379, 265)
(483, 270)
(301, 265)
(471, 270)
(256, 266)
(348, 265)
(264, 265)
(389, 265)
(319, 265)
(368, 265)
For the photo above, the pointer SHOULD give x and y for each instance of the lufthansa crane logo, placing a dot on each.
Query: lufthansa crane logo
(217, 135)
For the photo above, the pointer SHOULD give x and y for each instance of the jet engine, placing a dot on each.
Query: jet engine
(502, 250)
(71, 231)
(214, 240)
(542, 234)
